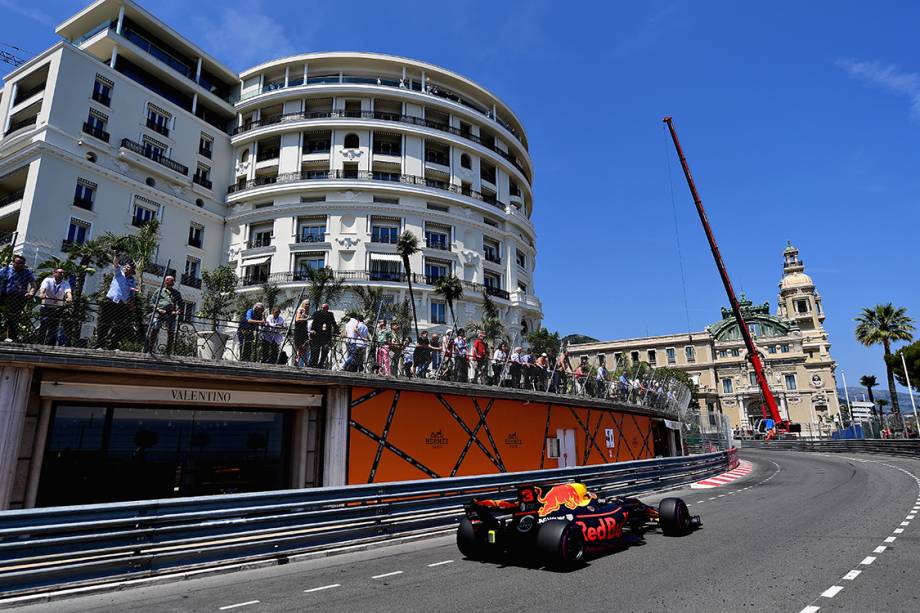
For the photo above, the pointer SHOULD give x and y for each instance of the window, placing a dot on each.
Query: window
(801, 306)
(78, 232)
(142, 214)
(192, 270)
(386, 144)
(312, 261)
(634, 356)
(723, 353)
(260, 236)
(205, 145)
(652, 357)
(490, 250)
(617, 359)
(490, 222)
(441, 208)
(437, 237)
(672, 355)
(790, 382)
(438, 312)
(752, 377)
(491, 280)
(203, 176)
(736, 353)
(195, 232)
(784, 348)
(352, 141)
(95, 125)
(435, 269)
(158, 119)
(84, 194)
(306, 199)
(316, 142)
(188, 310)
(522, 287)
(258, 273)
(384, 231)
(312, 230)
(726, 386)
(154, 149)
(384, 200)
(102, 90)
(520, 258)
(690, 352)
(385, 269)
(465, 161)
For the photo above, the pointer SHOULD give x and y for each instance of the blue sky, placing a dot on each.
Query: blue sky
(792, 115)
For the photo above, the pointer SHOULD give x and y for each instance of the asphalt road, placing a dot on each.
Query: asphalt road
(784, 538)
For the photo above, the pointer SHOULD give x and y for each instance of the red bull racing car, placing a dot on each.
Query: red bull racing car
(557, 525)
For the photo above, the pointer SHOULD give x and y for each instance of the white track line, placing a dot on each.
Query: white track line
(440, 563)
(321, 588)
(851, 575)
(810, 609)
(831, 591)
(392, 574)
(239, 604)
(867, 560)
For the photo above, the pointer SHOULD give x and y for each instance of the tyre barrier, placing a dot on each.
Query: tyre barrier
(78, 546)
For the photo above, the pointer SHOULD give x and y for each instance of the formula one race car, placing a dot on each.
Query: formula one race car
(559, 527)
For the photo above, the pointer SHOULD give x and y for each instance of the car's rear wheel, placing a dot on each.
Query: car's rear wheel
(674, 517)
(468, 542)
(560, 544)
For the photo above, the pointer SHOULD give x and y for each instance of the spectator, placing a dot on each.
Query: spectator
(408, 355)
(422, 356)
(516, 367)
(322, 329)
(526, 369)
(116, 309)
(272, 337)
(623, 386)
(382, 337)
(17, 286)
(55, 294)
(582, 372)
(167, 308)
(447, 346)
(600, 378)
(394, 349)
(541, 371)
(498, 363)
(435, 353)
(302, 333)
(564, 368)
(461, 367)
(479, 353)
(356, 337)
(252, 320)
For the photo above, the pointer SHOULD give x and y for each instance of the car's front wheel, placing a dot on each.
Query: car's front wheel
(674, 517)
(468, 542)
(560, 544)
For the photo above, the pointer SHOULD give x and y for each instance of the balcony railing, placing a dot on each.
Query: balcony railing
(267, 154)
(437, 243)
(415, 86)
(437, 157)
(387, 151)
(200, 180)
(157, 127)
(194, 242)
(190, 281)
(152, 154)
(83, 203)
(22, 123)
(12, 197)
(382, 116)
(497, 292)
(102, 98)
(360, 175)
(140, 222)
(255, 243)
(313, 237)
(95, 132)
(491, 256)
(205, 152)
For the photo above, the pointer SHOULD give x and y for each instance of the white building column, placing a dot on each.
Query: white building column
(114, 56)
(121, 20)
(15, 383)
(335, 447)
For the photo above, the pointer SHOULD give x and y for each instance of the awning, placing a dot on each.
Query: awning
(385, 257)
(255, 261)
(673, 425)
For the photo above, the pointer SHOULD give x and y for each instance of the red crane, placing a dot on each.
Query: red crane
(769, 401)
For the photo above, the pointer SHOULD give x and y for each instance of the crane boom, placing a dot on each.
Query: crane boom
(753, 356)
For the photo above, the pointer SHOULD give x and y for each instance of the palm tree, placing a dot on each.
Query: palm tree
(868, 382)
(323, 286)
(884, 324)
(370, 299)
(491, 322)
(406, 246)
(450, 287)
(85, 255)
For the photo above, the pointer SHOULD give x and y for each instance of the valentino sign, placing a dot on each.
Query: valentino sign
(143, 394)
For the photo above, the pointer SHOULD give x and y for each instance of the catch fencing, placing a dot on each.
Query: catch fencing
(44, 549)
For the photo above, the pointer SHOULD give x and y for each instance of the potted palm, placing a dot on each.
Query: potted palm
(216, 306)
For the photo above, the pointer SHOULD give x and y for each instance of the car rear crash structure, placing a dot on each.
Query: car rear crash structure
(557, 525)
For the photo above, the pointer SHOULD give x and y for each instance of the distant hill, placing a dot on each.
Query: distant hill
(577, 339)
(859, 393)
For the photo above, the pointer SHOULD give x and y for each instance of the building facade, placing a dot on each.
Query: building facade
(318, 160)
(792, 343)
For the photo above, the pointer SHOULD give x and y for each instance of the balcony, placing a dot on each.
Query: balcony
(205, 152)
(437, 157)
(194, 242)
(83, 203)
(24, 94)
(200, 180)
(437, 243)
(262, 241)
(492, 256)
(102, 98)
(387, 150)
(313, 237)
(140, 222)
(95, 132)
(386, 275)
(497, 292)
(22, 123)
(12, 197)
(190, 281)
(268, 153)
(158, 128)
(152, 154)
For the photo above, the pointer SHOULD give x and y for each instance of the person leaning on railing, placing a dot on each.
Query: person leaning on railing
(272, 336)
(246, 333)
(356, 337)
(302, 333)
(461, 366)
(116, 321)
(479, 354)
(321, 332)
(168, 306)
(17, 286)
(422, 355)
(55, 295)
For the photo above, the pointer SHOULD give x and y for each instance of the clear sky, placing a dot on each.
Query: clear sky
(800, 121)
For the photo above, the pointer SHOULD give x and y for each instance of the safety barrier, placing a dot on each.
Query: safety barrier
(57, 547)
(886, 446)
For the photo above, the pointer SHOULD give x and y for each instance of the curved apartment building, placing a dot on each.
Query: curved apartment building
(316, 160)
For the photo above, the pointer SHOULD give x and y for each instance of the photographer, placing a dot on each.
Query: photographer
(168, 305)
(115, 311)
(55, 294)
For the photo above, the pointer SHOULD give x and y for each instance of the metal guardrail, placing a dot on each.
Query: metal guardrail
(56, 547)
(909, 448)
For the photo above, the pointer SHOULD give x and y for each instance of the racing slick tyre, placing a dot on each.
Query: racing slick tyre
(560, 544)
(674, 517)
(469, 544)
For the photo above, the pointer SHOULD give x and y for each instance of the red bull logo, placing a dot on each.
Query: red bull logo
(568, 495)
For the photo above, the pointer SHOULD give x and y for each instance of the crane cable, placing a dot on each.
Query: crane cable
(680, 257)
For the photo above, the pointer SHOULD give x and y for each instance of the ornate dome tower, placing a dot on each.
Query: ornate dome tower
(798, 298)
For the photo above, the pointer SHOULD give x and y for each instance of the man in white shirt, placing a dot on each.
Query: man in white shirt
(55, 294)
(356, 338)
(272, 336)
